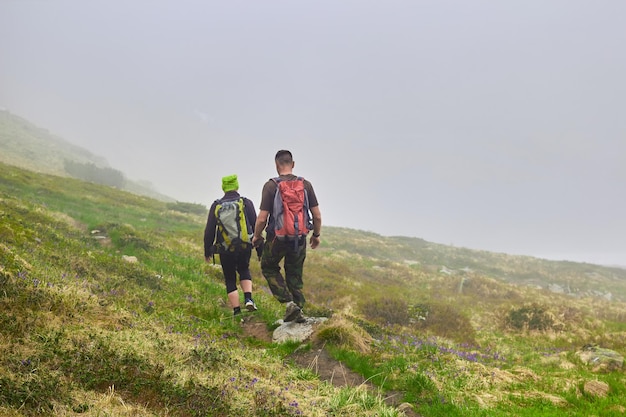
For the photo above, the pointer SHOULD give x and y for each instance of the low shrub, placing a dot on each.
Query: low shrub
(386, 310)
(529, 317)
(343, 333)
(445, 320)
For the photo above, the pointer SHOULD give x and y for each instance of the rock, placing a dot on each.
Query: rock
(601, 359)
(405, 407)
(556, 288)
(292, 331)
(130, 259)
(447, 271)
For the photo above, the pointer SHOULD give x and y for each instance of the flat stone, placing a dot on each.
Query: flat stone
(299, 332)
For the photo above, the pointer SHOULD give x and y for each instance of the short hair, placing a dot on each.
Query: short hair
(283, 157)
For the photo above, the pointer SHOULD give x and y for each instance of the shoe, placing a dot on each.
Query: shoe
(250, 306)
(292, 312)
(300, 318)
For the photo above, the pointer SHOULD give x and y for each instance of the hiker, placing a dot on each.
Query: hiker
(234, 252)
(286, 289)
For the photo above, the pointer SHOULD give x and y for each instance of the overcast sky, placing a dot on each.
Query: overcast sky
(496, 125)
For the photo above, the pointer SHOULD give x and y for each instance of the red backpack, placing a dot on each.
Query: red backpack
(291, 210)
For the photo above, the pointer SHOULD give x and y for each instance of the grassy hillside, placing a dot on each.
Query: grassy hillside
(83, 331)
(28, 146)
(572, 278)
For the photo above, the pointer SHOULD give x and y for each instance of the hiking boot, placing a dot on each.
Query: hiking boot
(250, 306)
(300, 318)
(292, 311)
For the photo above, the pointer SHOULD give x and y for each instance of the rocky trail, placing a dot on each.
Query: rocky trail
(319, 361)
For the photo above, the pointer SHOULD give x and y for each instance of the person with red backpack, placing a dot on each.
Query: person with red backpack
(289, 210)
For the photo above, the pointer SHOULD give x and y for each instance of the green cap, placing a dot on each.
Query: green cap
(230, 183)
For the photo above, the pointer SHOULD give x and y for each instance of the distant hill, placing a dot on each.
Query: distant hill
(28, 146)
(574, 279)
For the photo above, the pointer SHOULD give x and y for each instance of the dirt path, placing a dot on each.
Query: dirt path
(320, 362)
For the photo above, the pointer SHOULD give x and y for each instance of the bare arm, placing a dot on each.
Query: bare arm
(317, 227)
(261, 222)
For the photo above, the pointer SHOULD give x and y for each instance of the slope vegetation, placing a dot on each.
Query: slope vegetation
(108, 308)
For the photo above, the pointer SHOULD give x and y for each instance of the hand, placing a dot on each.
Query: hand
(314, 241)
(259, 250)
(257, 241)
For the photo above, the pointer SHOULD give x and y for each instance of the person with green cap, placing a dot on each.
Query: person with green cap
(233, 260)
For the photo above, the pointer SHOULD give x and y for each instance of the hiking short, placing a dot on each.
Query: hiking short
(234, 263)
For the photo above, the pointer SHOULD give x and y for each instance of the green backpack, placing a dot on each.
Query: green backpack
(232, 228)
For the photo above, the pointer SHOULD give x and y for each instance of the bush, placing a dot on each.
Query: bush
(529, 317)
(90, 172)
(343, 333)
(386, 310)
(446, 321)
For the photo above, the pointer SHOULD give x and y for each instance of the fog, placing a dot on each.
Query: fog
(485, 124)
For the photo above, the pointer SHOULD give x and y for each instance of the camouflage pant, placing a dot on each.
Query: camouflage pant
(288, 288)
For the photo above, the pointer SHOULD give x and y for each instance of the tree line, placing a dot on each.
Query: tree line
(92, 173)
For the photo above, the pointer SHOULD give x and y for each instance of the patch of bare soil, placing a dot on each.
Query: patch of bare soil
(328, 369)
(255, 328)
(321, 363)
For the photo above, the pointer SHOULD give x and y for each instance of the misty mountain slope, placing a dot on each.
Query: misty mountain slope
(572, 278)
(31, 147)
(28, 146)
(107, 307)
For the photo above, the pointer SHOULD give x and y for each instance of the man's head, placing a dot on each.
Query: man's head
(283, 157)
(284, 161)
(230, 183)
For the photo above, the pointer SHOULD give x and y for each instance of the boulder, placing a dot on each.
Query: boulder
(292, 331)
(601, 359)
(130, 259)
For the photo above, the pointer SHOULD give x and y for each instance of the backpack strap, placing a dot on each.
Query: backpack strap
(279, 179)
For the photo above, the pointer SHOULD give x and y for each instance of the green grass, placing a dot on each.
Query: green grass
(83, 328)
(84, 331)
